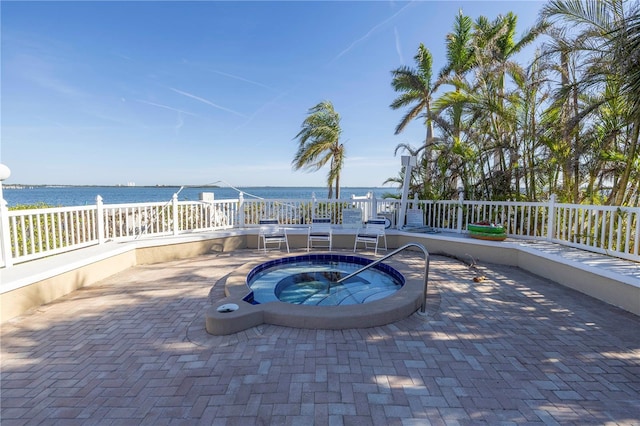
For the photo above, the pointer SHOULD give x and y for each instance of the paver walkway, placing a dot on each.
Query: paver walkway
(510, 349)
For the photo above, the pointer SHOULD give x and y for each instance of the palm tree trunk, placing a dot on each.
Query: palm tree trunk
(576, 153)
(427, 144)
(532, 158)
(631, 158)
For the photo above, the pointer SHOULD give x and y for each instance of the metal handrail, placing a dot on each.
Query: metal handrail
(423, 308)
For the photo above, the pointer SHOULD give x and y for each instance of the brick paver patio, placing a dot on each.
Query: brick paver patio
(510, 349)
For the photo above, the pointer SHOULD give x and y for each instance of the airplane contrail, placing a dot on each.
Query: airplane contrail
(205, 101)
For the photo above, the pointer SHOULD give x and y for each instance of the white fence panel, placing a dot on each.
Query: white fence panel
(519, 219)
(135, 219)
(287, 212)
(202, 216)
(603, 229)
(37, 233)
(297, 212)
(442, 215)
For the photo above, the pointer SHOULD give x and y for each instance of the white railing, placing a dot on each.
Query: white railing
(44, 232)
(122, 221)
(32, 234)
(36, 233)
(602, 229)
(300, 212)
(523, 219)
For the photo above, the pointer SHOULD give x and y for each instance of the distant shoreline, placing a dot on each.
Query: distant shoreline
(74, 195)
(27, 186)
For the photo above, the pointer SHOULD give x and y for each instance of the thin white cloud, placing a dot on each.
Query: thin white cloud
(237, 77)
(398, 46)
(43, 73)
(370, 33)
(264, 107)
(180, 123)
(165, 107)
(205, 101)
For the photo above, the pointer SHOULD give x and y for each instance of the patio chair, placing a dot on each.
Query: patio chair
(371, 234)
(320, 231)
(271, 233)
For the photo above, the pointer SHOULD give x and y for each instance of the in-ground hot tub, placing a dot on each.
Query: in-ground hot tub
(380, 307)
(313, 279)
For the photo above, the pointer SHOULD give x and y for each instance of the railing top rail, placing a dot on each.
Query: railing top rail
(44, 210)
(505, 203)
(225, 201)
(303, 200)
(597, 207)
(126, 205)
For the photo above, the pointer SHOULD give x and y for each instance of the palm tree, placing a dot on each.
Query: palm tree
(606, 42)
(477, 119)
(460, 60)
(630, 38)
(416, 90)
(459, 49)
(564, 135)
(319, 144)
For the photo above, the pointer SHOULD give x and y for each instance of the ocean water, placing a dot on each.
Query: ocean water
(86, 195)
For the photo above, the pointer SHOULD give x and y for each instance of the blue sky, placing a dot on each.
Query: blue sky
(190, 93)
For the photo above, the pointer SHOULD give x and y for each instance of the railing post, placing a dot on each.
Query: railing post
(241, 210)
(551, 221)
(5, 239)
(460, 212)
(374, 206)
(313, 206)
(100, 220)
(174, 214)
(5, 250)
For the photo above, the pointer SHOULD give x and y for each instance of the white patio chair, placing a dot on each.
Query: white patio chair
(271, 233)
(371, 234)
(320, 231)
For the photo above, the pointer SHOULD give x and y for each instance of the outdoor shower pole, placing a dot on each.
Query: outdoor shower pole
(408, 162)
